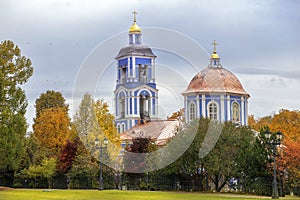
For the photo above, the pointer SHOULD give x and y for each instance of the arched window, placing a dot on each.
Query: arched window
(192, 112)
(123, 127)
(143, 73)
(119, 128)
(213, 111)
(121, 106)
(235, 112)
(144, 106)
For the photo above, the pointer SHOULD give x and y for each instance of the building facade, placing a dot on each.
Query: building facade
(136, 95)
(216, 93)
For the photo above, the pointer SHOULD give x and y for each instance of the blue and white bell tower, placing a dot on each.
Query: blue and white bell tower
(136, 95)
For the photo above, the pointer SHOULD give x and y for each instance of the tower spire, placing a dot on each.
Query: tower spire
(214, 58)
(215, 46)
(214, 55)
(134, 29)
(134, 15)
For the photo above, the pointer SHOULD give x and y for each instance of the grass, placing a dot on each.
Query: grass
(22, 194)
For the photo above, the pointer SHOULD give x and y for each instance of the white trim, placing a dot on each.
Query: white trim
(185, 108)
(222, 101)
(243, 113)
(197, 107)
(228, 108)
(139, 92)
(246, 112)
(203, 106)
(133, 66)
(153, 69)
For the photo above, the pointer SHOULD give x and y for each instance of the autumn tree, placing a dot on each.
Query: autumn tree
(106, 121)
(52, 129)
(15, 70)
(50, 99)
(178, 115)
(85, 121)
(52, 125)
(287, 122)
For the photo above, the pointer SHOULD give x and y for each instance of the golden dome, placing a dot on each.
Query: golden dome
(135, 29)
(214, 55)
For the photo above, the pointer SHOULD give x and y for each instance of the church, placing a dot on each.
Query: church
(214, 93)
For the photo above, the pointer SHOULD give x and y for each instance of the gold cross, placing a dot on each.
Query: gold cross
(134, 15)
(215, 45)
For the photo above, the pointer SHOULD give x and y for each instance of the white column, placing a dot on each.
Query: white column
(138, 106)
(153, 69)
(156, 105)
(228, 108)
(243, 111)
(246, 104)
(132, 103)
(198, 107)
(133, 67)
(222, 108)
(203, 106)
(185, 109)
(128, 67)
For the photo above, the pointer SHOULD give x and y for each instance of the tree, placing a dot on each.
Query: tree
(50, 99)
(15, 70)
(45, 170)
(106, 121)
(288, 122)
(177, 115)
(67, 156)
(85, 121)
(52, 129)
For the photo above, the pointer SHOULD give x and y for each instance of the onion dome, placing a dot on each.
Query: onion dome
(135, 29)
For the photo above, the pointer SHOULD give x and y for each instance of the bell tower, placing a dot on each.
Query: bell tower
(136, 95)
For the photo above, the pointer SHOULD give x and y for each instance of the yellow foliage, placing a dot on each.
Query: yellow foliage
(52, 129)
(287, 122)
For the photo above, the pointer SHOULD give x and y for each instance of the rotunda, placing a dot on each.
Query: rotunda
(216, 93)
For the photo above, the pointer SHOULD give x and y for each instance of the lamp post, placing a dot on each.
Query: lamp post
(274, 141)
(98, 144)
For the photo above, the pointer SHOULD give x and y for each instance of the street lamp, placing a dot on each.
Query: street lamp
(274, 140)
(98, 144)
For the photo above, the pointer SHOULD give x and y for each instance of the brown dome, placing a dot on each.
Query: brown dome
(215, 80)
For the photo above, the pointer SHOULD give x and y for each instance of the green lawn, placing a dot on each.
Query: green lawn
(20, 194)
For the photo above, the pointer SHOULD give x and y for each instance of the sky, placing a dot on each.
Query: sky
(72, 45)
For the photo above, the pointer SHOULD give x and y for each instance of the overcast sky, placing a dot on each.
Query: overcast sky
(258, 42)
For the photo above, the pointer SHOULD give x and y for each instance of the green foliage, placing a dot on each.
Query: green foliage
(45, 170)
(15, 70)
(50, 99)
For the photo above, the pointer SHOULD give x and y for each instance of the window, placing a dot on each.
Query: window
(123, 127)
(122, 107)
(213, 111)
(143, 73)
(235, 112)
(144, 106)
(123, 74)
(192, 112)
(119, 128)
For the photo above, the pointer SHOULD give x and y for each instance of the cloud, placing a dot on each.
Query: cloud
(258, 40)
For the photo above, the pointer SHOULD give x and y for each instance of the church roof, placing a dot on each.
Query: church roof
(215, 80)
(160, 130)
(135, 50)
